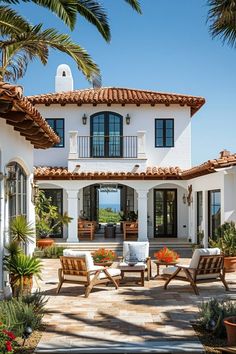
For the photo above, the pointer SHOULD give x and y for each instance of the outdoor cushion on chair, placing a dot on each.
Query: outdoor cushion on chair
(206, 265)
(78, 267)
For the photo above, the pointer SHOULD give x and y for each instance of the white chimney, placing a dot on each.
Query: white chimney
(63, 79)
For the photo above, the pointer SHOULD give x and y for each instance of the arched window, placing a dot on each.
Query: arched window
(106, 134)
(16, 190)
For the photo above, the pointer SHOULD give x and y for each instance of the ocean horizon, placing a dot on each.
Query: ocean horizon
(114, 207)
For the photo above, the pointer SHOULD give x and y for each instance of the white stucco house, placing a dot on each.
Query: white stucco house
(138, 142)
(22, 128)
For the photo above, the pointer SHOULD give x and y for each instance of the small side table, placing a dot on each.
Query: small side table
(110, 231)
(158, 263)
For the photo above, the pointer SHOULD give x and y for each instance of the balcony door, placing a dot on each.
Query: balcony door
(165, 213)
(106, 135)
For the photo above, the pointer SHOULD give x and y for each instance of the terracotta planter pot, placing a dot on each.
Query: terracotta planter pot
(230, 325)
(19, 289)
(45, 242)
(230, 264)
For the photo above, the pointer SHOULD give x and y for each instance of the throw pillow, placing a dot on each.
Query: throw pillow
(137, 253)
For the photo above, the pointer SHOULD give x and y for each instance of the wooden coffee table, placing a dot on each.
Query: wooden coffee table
(159, 263)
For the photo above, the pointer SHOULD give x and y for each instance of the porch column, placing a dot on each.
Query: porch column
(72, 199)
(142, 215)
(73, 142)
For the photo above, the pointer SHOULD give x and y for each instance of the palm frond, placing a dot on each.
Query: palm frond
(35, 44)
(11, 22)
(135, 5)
(66, 10)
(222, 19)
(94, 13)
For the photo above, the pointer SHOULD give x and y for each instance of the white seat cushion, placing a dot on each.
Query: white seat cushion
(75, 253)
(170, 270)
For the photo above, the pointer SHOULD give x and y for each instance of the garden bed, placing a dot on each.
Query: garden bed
(209, 341)
(30, 343)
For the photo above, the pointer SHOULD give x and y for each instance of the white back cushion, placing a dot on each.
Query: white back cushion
(136, 244)
(202, 252)
(87, 255)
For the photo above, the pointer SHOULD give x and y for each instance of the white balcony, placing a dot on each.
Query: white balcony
(107, 153)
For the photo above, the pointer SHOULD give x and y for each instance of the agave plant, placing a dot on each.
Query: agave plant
(21, 230)
(21, 269)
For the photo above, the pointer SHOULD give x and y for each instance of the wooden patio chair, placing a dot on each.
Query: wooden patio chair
(78, 268)
(207, 265)
(130, 228)
(86, 229)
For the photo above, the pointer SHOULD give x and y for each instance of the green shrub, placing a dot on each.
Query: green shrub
(213, 311)
(53, 251)
(24, 312)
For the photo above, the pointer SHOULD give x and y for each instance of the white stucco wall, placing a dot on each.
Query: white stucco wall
(142, 119)
(223, 180)
(14, 147)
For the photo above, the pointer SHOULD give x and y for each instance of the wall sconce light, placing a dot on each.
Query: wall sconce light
(34, 192)
(84, 119)
(127, 118)
(184, 198)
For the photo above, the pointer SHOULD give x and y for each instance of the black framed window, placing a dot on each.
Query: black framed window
(164, 132)
(214, 211)
(106, 135)
(199, 214)
(57, 124)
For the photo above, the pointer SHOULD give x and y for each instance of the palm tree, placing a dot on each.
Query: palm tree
(91, 10)
(222, 18)
(20, 43)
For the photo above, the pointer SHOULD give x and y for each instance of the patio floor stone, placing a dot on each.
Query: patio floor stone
(132, 319)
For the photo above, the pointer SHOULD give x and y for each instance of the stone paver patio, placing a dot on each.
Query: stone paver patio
(132, 319)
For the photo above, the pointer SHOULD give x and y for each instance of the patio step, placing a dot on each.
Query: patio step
(184, 248)
(167, 347)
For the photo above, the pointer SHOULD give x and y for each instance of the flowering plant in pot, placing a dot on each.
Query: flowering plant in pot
(166, 255)
(103, 256)
(7, 340)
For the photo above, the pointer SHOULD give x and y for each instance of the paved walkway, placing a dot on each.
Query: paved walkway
(132, 319)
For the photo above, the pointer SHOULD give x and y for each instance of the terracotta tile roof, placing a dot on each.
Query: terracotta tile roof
(24, 117)
(63, 173)
(225, 160)
(114, 95)
(155, 173)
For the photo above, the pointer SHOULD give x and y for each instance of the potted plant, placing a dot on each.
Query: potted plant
(21, 270)
(167, 255)
(104, 257)
(230, 325)
(47, 220)
(225, 240)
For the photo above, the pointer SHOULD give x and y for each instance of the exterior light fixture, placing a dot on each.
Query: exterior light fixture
(184, 198)
(84, 119)
(127, 118)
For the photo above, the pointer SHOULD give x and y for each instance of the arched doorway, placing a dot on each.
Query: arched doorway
(107, 195)
(106, 135)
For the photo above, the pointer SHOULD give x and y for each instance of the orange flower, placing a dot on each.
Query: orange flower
(166, 255)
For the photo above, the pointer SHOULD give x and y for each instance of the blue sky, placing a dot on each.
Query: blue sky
(169, 49)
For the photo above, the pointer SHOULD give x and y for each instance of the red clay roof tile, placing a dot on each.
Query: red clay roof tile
(115, 95)
(14, 94)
